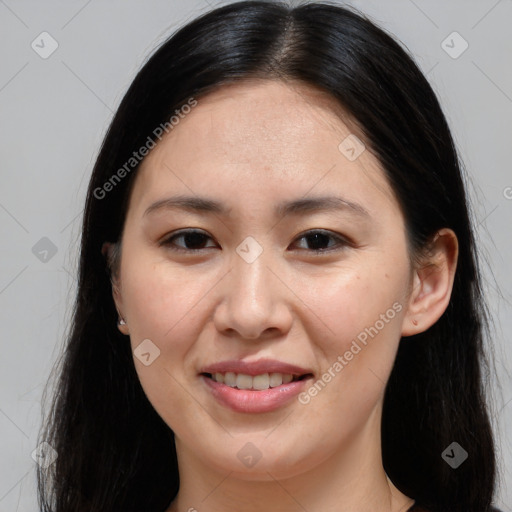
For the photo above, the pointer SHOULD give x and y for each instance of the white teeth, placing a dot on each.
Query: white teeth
(230, 379)
(258, 382)
(261, 381)
(276, 379)
(243, 381)
(287, 378)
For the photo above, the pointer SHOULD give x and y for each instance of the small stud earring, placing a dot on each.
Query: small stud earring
(121, 321)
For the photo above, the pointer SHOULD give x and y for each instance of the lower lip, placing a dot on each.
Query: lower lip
(249, 401)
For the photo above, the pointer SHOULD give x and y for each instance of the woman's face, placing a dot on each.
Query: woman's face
(315, 290)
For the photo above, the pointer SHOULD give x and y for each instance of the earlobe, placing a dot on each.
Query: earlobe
(121, 325)
(106, 250)
(432, 284)
(121, 322)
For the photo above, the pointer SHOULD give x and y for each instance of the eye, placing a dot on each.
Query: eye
(318, 238)
(194, 240)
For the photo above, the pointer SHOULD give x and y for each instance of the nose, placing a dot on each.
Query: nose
(254, 301)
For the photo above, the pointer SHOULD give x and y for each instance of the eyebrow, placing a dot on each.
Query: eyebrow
(302, 206)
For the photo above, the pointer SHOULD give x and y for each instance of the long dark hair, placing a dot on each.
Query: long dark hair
(115, 453)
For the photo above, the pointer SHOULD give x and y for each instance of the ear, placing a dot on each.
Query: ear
(432, 284)
(107, 250)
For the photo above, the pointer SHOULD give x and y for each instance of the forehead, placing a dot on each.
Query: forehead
(269, 136)
(271, 115)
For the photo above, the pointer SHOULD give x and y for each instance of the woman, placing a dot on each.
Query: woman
(220, 356)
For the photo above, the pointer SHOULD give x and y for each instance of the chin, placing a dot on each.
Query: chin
(267, 463)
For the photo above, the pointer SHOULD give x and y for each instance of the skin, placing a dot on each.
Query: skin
(250, 146)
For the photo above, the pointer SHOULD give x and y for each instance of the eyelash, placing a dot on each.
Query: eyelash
(342, 242)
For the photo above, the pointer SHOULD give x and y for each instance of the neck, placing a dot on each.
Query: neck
(353, 479)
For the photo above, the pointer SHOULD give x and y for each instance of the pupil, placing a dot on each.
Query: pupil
(318, 238)
(194, 239)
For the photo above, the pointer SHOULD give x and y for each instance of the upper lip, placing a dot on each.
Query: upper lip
(255, 367)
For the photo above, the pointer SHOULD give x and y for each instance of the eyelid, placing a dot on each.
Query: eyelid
(342, 241)
(167, 240)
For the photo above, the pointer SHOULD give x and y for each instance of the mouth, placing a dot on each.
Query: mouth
(260, 382)
(254, 387)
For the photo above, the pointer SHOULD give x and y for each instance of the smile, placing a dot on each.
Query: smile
(256, 383)
(254, 387)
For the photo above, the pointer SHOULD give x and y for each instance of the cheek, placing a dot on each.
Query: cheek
(160, 300)
(364, 311)
(357, 299)
(162, 306)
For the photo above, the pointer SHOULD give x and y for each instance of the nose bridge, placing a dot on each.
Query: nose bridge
(253, 300)
(251, 278)
(251, 284)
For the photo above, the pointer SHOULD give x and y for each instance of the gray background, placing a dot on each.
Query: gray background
(55, 111)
